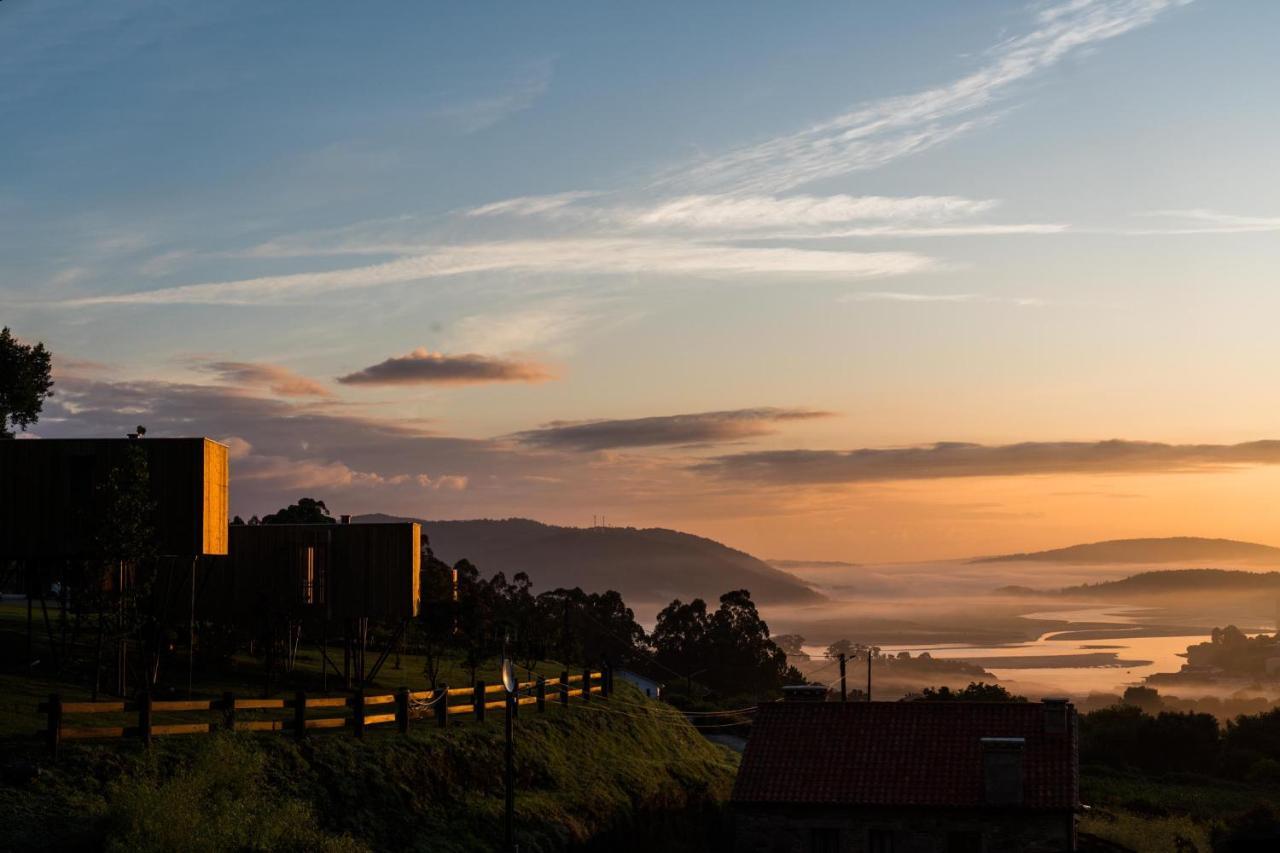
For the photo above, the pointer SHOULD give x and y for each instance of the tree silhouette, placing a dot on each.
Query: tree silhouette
(24, 383)
(305, 511)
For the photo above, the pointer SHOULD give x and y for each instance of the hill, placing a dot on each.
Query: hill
(1174, 549)
(587, 779)
(812, 564)
(652, 565)
(1183, 581)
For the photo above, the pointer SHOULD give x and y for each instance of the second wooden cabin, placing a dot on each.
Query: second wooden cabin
(313, 571)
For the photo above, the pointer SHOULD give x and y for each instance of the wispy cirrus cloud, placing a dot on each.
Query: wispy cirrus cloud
(423, 367)
(532, 205)
(601, 256)
(958, 459)
(888, 129)
(694, 220)
(898, 296)
(801, 217)
(688, 429)
(273, 377)
(483, 112)
(1205, 221)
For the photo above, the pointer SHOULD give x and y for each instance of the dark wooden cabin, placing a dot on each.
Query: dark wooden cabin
(301, 571)
(51, 501)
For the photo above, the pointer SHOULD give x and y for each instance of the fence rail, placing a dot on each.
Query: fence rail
(408, 705)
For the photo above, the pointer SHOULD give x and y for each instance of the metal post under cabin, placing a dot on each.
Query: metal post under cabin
(324, 655)
(477, 699)
(541, 693)
(346, 654)
(442, 705)
(844, 690)
(564, 687)
(31, 657)
(191, 634)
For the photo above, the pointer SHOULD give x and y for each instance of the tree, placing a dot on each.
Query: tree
(125, 537)
(1146, 698)
(24, 383)
(437, 613)
(976, 691)
(729, 650)
(680, 638)
(305, 511)
(792, 645)
(841, 647)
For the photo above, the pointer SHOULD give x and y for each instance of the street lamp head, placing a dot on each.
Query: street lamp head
(508, 676)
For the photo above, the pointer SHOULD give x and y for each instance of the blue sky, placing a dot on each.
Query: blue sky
(730, 229)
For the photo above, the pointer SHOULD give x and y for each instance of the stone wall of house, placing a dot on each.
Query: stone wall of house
(791, 829)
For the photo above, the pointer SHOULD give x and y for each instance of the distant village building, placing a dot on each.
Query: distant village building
(647, 686)
(908, 777)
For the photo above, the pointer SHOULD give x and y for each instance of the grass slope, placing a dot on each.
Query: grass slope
(624, 768)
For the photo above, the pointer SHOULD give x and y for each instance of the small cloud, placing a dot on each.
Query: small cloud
(759, 211)
(698, 428)
(423, 367)
(279, 380)
(531, 205)
(448, 482)
(480, 113)
(898, 296)
(959, 459)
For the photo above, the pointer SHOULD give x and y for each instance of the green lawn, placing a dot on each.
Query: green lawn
(1149, 813)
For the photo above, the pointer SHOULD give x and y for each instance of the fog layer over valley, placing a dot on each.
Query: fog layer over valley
(1045, 626)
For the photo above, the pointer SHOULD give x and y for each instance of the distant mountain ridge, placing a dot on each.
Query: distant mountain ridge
(1174, 549)
(812, 564)
(1182, 581)
(645, 565)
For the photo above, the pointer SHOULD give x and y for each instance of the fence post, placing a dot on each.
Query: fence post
(442, 705)
(144, 717)
(477, 699)
(357, 712)
(586, 685)
(300, 714)
(541, 694)
(564, 687)
(402, 710)
(55, 722)
(229, 711)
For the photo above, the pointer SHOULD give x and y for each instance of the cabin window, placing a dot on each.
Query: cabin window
(824, 839)
(311, 574)
(880, 841)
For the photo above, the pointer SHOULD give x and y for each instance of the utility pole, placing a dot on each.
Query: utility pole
(509, 683)
(868, 675)
(844, 691)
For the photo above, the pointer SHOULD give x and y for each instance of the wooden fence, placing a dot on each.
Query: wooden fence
(366, 710)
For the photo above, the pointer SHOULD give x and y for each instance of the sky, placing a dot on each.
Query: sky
(865, 281)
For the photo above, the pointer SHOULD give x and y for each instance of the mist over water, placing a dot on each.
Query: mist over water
(1014, 620)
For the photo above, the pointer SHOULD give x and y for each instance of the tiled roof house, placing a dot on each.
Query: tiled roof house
(908, 777)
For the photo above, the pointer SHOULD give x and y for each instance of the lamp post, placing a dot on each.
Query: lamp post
(509, 682)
